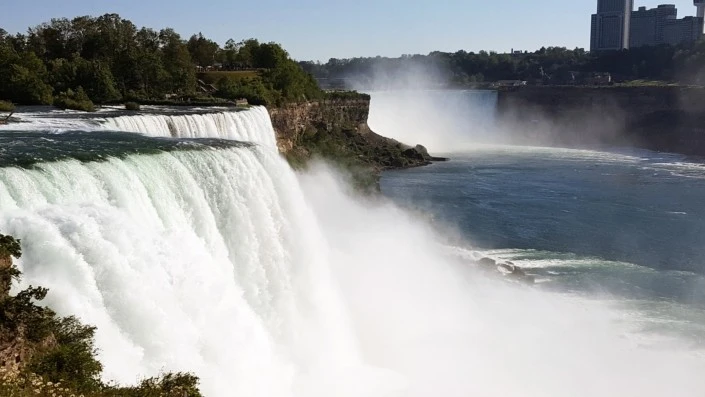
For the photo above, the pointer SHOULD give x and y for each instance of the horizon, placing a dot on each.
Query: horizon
(423, 29)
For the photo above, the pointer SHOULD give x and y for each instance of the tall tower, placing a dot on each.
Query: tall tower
(701, 10)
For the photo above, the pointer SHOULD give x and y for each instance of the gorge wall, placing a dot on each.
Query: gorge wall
(658, 118)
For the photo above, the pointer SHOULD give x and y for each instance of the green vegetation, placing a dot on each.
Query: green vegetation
(111, 60)
(60, 353)
(7, 107)
(213, 77)
(133, 106)
(552, 65)
(74, 100)
(346, 95)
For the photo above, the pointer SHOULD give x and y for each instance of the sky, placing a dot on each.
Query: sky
(324, 29)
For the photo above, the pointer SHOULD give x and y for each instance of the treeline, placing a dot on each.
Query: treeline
(552, 65)
(108, 60)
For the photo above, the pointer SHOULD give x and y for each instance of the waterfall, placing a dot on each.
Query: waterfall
(195, 261)
(262, 282)
(251, 125)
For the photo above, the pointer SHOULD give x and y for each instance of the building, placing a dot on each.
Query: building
(686, 30)
(616, 26)
(611, 25)
(661, 26)
(647, 26)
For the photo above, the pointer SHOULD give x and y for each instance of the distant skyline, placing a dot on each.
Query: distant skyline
(322, 29)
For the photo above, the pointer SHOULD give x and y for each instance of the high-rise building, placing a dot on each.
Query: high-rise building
(648, 25)
(661, 26)
(610, 26)
(685, 30)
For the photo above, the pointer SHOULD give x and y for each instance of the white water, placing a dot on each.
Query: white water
(226, 264)
(251, 126)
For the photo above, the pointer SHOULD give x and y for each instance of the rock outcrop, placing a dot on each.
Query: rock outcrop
(337, 130)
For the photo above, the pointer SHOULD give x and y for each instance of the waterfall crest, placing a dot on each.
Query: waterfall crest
(252, 125)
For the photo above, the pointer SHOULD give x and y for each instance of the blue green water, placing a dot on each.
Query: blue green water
(626, 226)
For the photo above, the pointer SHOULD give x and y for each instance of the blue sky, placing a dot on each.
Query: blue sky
(320, 29)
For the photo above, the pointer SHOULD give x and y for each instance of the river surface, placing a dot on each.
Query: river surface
(622, 225)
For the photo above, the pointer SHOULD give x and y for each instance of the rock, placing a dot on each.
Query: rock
(487, 263)
(413, 154)
(422, 149)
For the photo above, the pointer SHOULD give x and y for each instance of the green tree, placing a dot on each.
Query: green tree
(202, 50)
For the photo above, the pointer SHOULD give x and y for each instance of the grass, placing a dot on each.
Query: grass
(646, 83)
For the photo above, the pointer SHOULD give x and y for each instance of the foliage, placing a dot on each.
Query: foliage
(133, 106)
(113, 60)
(202, 50)
(251, 89)
(169, 385)
(551, 65)
(75, 100)
(72, 361)
(6, 106)
(9, 246)
(346, 95)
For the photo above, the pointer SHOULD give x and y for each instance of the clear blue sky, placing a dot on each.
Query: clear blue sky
(322, 29)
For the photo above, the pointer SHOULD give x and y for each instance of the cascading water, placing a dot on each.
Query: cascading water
(252, 125)
(225, 263)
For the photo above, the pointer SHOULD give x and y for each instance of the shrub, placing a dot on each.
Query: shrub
(72, 361)
(133, 106)
(7, 107)
(74, 100)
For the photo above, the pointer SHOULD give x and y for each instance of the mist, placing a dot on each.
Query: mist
(421, 311)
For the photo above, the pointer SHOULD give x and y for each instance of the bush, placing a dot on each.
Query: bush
(133, 106)
(72, 361)
(7, 107)
(74, 100)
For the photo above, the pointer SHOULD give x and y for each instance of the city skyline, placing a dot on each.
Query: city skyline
(318, 30)
(618, 25)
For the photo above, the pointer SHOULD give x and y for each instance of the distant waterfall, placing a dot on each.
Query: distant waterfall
(251, 125)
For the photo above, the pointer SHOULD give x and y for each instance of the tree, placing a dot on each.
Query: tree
(202, 50)
(177, 62)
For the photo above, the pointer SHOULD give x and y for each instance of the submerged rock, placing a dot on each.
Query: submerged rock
(506, 269)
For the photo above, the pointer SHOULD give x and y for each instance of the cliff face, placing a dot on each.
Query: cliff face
(658, 118)
(337, 130)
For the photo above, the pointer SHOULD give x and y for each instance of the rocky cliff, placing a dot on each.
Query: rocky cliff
(337, 130)
(659, 118)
